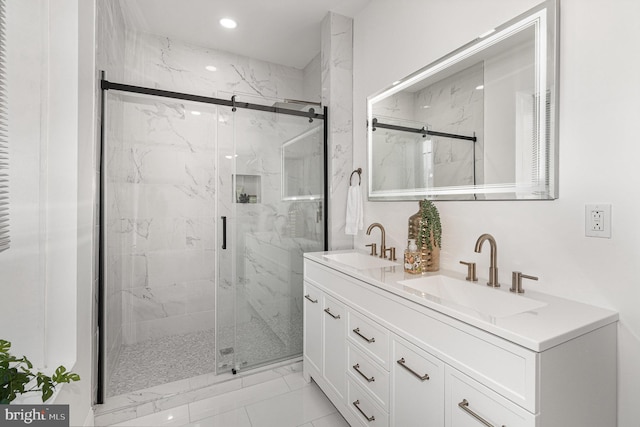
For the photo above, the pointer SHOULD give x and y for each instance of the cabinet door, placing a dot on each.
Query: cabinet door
(313, 327)
(334, 352)
(471, 404)
(417, 386)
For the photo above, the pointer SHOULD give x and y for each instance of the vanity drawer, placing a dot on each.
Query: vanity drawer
(364, 408)
(370, 337)
(470, 404)
(368, 374)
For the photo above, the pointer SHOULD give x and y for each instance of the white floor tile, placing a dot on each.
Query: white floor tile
(295, 381)
(235, 418)
(291, 409)
(171, 417)
(236, 399)
(333, 420)
(260, 377)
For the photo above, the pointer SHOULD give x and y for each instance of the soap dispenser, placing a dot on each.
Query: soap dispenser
(412, 258)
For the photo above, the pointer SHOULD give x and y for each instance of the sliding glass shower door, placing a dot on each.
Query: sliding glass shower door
(270, 206)
(206, 213)
(158, 220)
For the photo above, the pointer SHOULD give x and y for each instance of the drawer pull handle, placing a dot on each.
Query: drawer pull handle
(464, 405)
(369, 340)
(402, 362)
(326, 310)
(315, 301)
(357, 368)
(369, 418)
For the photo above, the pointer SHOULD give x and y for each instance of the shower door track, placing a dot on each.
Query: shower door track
(106, 85)
(311, 114)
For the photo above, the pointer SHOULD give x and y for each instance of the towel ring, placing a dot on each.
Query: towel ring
(359, 172)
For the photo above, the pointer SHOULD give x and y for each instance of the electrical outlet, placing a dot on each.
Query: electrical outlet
(598, 220)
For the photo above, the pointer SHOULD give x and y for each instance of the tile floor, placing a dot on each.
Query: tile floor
(259, 400)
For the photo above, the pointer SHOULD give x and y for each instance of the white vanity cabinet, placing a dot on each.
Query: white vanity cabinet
(393, 361)
(470, 404)
(334, 348)
(325, 345)
(312, 341)
(417, 386)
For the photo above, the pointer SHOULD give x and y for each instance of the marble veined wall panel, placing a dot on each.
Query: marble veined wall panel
(165, 63)
(177, 164)
(337, 94)
(167, 172)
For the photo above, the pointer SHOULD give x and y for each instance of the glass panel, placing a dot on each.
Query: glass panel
(267, 230)
(159, 210)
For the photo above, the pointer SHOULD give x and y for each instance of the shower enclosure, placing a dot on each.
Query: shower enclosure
(207, 207)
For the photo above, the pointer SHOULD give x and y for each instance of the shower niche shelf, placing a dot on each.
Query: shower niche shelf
(248, 188)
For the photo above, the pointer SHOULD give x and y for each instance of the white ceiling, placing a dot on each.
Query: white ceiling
(285, 32)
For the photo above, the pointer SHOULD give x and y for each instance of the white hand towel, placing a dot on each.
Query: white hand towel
(355, 217)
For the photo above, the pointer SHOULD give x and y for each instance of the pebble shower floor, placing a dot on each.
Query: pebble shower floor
(176, 357)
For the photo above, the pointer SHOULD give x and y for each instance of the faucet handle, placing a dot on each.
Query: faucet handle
(392, 253)
(516, 281)
(471, 271)
(374, 251)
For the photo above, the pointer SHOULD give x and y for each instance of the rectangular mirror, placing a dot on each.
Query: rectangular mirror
(477, 124)
(302, 174)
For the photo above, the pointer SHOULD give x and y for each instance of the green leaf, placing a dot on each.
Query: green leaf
(17, 373)
(47, 392)
(5, 346)
(59, 375)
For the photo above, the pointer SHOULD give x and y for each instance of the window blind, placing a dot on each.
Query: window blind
(4, 140)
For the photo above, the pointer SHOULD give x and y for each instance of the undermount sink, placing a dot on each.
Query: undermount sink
(484, 300)
(360, 261)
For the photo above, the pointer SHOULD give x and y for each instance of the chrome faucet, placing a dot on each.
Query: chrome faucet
(493, 268)
(383, 247)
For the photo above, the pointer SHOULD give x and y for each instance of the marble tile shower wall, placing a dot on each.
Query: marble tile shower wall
(166, 206)
(169, 192)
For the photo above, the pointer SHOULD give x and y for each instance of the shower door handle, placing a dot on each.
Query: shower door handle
(224, 232)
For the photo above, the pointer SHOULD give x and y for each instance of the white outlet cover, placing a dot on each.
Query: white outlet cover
(603, 229)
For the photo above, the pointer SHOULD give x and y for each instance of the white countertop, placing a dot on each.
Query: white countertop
(539, 329)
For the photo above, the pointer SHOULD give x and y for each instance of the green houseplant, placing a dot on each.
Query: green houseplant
(17, 376)
(429, 235)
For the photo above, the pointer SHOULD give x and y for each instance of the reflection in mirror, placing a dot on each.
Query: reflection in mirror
(302, 174)
(472, 125)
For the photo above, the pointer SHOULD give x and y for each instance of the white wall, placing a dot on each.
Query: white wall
(46, 275)
(599, 90)
(21, 269)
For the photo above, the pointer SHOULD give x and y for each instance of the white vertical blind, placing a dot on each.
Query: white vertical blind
(4, 140)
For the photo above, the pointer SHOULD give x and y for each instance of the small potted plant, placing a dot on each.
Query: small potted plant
(429, 235)
(17, 377)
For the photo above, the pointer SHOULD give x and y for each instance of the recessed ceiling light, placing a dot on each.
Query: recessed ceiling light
(480, 87)
(228, 23)
(196, 113)
(210, 68)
